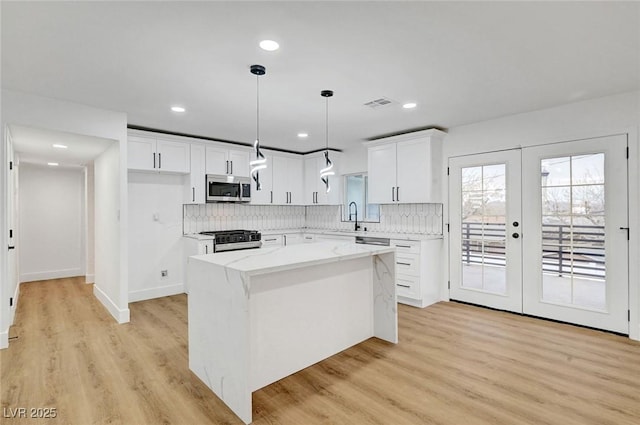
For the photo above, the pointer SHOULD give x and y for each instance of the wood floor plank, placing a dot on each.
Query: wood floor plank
(455, 364)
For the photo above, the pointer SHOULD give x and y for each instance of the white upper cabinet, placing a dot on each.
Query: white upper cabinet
(264, 196)
(195, 189)
(287, 180)
(315, 191)
(406, 168)
(223, 161)
(151, 154)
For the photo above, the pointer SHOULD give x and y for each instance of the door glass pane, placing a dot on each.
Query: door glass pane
(484, 228)
(573, 232)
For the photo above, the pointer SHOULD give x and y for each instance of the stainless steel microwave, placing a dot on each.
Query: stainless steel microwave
(222, 188)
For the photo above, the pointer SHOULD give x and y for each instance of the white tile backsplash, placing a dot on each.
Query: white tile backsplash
(397, 218)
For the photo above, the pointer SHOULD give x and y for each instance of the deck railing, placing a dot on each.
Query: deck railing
(565, 248)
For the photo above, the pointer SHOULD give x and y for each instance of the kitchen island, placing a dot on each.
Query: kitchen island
(257, 316)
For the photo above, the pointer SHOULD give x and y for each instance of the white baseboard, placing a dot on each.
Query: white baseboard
(416, 303)
(161, 291)
(50, 274)
(121, 315)
(89, 278)
(4, 339)
(12, 309)
(635, 335)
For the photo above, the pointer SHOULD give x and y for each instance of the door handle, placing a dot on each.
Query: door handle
(12, 247)
(516, 235)
(393, 193)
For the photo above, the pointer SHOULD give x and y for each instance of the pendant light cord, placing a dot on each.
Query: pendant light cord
(327, 124)
(258, 108)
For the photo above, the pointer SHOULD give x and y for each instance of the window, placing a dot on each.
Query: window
(355, 190)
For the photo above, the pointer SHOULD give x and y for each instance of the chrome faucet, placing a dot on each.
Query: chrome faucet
(356, 214)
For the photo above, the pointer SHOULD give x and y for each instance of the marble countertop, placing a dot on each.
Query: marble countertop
(275, 259)
(398, 236)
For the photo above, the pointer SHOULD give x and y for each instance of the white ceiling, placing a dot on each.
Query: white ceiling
(462, 62)
(36, 146)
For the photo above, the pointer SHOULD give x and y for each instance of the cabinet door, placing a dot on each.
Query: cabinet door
(311, 178)
(381, 162)
(293, 239)
(413, 171)
(280, 184)
(265, 195)
(173, 157)
(216, 161)
(295, 180)
(141, 153)
(195, 191)
(205, 247)
(239, 163)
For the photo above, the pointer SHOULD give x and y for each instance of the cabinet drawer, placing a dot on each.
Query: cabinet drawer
(408, 286)
(406, 246)
(407, 264)
(272, 240)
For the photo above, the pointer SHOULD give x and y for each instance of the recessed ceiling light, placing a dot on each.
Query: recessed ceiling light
(177, 109)
(53, 164)
(269, 45)
(60, 146)
(409, 105)
(303, 135)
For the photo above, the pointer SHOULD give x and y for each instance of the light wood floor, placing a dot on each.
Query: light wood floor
(455, 364)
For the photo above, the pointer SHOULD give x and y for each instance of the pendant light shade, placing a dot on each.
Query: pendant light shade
(260, 163)
(328, 169)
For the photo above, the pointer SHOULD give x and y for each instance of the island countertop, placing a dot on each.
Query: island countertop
(274, 259)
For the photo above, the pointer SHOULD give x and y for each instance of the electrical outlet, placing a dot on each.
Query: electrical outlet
(164, 273)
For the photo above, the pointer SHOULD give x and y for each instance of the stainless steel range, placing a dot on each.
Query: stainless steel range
(231, 240)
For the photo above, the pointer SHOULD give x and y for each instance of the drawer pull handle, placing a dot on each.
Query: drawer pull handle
(404, 286)
(404, 264)
(403, 246)
(269, 240)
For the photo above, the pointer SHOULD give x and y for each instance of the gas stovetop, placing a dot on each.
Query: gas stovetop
(229, 240)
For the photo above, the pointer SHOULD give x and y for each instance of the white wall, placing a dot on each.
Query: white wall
(51, 217)
(592, 118)
(47, 113)
(155, 235)
(108, 264)
(89, 183)
(354, 160)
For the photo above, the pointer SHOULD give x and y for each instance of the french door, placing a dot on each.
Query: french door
(559, 250)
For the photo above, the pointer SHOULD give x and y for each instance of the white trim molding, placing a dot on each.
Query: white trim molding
(4, 339)
(50, 274)
(161, 291)
(12, 311)
(89, 278)
(121, 315)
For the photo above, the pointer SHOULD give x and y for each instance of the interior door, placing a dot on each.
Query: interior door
(576, 232)
(485, 244)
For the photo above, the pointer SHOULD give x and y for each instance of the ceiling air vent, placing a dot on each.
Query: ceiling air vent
(379, 103)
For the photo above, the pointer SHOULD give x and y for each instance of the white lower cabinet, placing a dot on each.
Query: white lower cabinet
(418, 271)
(272, 240)
(292, 238)
(195, 247)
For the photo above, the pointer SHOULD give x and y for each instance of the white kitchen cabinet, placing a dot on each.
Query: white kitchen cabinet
(287, 180)
(406, 168)
(272, 240)
(152, 154)
(334, 238)
(419, 273)
(315, 192)
(192, 247)
(222, 161)
(195, 184)
(264, 196)
(293, 239)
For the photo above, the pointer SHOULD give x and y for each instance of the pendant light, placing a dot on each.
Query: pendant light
(328, 169)
(260, 163)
